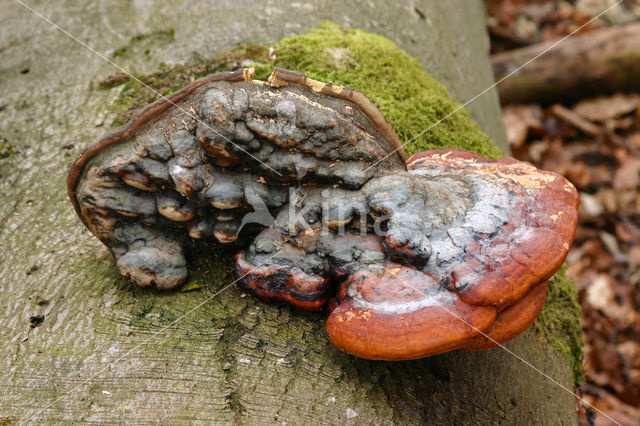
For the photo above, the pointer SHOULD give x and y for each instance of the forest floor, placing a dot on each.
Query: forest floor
(596, 144)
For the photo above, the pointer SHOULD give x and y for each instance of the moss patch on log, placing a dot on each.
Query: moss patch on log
(417, 106)
(559, 322)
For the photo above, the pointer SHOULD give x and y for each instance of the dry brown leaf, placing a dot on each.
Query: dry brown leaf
(628, 175)
(600, 293)
(631, 352)
(518, 119)
(607, 107)
(579, 175)
(607, 197)
(634, 256)
(596, 143)
(623, 233)
(590, 206)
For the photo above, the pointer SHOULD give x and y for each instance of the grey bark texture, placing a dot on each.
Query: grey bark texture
(101, 350)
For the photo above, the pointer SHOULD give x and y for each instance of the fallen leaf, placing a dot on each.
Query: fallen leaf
(518, 119)
(634, 256)
(628, 175)
(600, 293)
(610, 242)
(590, 206)
(631, 352)
(607, 107)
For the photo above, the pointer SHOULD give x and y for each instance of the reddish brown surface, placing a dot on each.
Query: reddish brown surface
(271, 283)
(553, 216)
(464, 237)
(392, 309)
(513, 320)
(445, 323)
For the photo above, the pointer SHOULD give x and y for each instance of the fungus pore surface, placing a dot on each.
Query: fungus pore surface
(412, 257)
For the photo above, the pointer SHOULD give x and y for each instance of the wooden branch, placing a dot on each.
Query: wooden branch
(575, 120)
(601, 61)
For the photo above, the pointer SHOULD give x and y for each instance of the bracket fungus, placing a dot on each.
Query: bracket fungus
(412, 257)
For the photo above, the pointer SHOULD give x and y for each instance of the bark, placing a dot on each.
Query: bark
(102, 350)
(601, 61)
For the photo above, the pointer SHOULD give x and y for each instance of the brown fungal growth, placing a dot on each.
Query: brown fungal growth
(441, 251)
(512, 320)
(459, 240)
(406, 315)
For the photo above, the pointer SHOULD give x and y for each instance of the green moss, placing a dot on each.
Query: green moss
(410, 99)
(559, 322)
(142, 43)
(6, 148)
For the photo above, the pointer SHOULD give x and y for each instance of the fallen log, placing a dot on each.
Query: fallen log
(80, 344)
(601, 61)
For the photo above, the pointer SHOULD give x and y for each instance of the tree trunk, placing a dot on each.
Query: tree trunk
(601, 61)
(82, 344)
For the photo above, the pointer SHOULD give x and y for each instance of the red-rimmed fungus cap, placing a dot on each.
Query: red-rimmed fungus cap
(412, 257)
(457, 255)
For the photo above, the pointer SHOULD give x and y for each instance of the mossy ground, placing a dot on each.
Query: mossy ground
(411, 100)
